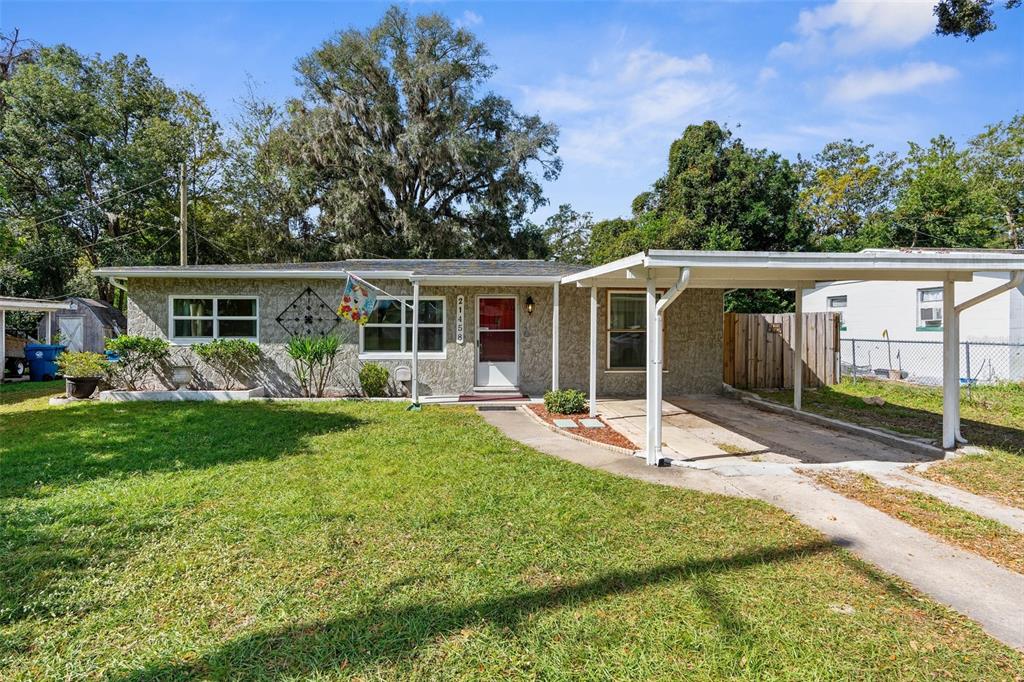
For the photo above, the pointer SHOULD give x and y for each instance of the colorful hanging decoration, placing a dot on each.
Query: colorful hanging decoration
(357, 302)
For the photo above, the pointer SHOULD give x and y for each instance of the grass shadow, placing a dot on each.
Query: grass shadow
(363, 639)
(56, 447)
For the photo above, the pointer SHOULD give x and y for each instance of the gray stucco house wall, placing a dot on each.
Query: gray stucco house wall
(693, 335)
(692, 330)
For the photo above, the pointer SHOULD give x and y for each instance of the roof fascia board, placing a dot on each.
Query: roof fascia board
(472, 280)
(626, 263)
(34, 306)
(863, 262)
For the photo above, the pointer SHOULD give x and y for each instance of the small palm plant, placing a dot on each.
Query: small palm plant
(314, 358)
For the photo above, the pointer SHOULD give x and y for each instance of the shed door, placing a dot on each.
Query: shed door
(71, 333)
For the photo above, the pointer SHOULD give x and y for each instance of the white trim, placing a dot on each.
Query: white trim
(404, 300)
(33, 305)
(192, 340)
(476, 324)
(608, 369)
(454, 280)
(554, 336)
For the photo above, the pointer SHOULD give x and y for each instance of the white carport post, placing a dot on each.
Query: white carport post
(653, 389)
(554, 338)
(798, 351)
(593, 352)
(415, 342)
(950, 365)
(49, 327)
(3, 343)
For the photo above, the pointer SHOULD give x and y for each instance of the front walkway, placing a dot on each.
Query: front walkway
(989, 594)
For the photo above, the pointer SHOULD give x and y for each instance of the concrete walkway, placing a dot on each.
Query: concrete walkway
(989, 594)
(976, 504)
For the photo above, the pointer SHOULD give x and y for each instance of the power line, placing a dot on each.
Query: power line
(87, 246)
(95, 204)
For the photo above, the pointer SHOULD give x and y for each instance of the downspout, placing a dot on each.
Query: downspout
(1015, 281)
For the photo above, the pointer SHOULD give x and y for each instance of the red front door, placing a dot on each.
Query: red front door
(497, 341)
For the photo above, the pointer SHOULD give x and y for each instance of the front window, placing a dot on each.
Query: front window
(627, 330)
(837, 304)
(929, 309)
(388, 330)
(202, 318)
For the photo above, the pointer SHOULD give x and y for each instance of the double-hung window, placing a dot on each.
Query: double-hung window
(196, 319)
(929, 309)
(627, 330)
(837, 304)
(388, 331)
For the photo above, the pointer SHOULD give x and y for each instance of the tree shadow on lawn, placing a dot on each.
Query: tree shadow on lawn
(359, 641)
(910, 420)
(79, 443)
(42, 545)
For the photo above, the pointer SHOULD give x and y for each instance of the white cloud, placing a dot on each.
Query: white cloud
(470, 18)
(628, 104)
(861, 85)
(853, 26)
(766, 74)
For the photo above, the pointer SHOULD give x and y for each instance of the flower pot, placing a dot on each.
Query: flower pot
(81, 387)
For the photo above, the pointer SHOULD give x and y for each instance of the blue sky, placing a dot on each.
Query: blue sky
(622, 80)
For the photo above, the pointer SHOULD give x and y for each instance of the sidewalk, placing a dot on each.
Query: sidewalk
(989, 594)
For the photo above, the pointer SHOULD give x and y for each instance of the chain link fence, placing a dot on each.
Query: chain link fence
(920, 362)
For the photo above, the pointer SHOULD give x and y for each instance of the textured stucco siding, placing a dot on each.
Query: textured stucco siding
(693, 351)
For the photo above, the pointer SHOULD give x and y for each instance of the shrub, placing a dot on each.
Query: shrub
(228, 357)
(82, 365)
(137, 355)
(314, 358)
(566, 401)
(374, 379)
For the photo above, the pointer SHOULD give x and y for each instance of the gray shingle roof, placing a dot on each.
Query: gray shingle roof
(435, 267)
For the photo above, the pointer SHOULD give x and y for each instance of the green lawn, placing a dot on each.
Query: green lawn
(992, 418)
(331, 540)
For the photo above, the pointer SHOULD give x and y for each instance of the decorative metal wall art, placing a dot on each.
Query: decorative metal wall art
(308, 315)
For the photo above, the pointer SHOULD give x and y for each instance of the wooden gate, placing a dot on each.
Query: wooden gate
(757, 350)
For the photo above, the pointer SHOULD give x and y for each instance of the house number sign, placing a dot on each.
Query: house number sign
(460, 320)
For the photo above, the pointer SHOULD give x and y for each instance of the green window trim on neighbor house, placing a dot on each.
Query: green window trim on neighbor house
(929, 329)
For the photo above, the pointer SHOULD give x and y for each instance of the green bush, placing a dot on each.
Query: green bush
(565, 401)
(82, 365)
(314, 358)
(228, 358)
(374, 379)
(137, 355)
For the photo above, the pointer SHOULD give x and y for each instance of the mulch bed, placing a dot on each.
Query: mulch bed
(605, 434)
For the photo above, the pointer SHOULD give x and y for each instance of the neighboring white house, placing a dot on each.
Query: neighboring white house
(991, 333)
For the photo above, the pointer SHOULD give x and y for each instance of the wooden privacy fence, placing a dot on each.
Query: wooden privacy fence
(758, 354)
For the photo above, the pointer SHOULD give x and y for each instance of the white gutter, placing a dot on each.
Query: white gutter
(114, 283)
(34, 305)
(513, 280)
(623, 263)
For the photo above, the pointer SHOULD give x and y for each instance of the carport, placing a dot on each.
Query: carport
(665, 275)
(25, 305)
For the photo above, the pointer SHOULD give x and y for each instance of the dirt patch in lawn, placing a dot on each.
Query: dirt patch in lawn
(605, 434)
(991, 539)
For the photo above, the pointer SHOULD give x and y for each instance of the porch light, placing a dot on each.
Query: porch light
(529, 305)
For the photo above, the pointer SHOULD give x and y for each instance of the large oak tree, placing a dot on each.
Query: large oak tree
(407, 154)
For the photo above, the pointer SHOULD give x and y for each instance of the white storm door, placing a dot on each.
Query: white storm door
(497, 342)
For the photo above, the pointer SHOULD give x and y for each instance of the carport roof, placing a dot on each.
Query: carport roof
(769, 269)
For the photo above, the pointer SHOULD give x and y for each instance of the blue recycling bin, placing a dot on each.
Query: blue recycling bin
(42, 360)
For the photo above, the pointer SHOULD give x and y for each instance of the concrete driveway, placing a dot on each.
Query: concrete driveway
(720, 432)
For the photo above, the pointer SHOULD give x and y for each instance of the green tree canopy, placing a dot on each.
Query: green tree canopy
(967, 18)
(89, 151)
(406, 155)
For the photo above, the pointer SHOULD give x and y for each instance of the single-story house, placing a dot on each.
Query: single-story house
(532, 325)
(912, 311)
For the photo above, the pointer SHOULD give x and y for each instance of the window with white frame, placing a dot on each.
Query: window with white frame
(627, 330)
(388, 331)
(929, 308)
(202, 318)
(837, 304)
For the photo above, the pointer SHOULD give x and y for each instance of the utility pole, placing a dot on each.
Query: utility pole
(183, 220)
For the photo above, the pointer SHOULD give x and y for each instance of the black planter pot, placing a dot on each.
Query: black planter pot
(81, 388)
